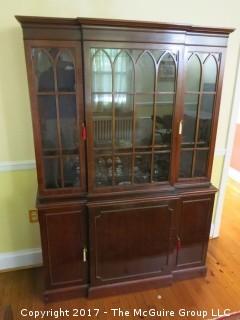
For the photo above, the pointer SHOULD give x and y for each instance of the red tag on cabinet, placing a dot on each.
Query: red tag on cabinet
(84, 132)
(178, 243)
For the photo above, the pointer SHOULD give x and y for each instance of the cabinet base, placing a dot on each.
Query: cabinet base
(129, 286)
(189, 273)
(65, 293)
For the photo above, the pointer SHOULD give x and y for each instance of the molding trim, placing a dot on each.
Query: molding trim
(229, 147)
(234, 174)
(20, 259)
(17, 165)
(220, 152)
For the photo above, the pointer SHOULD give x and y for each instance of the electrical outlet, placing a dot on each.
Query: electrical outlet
(33, 215)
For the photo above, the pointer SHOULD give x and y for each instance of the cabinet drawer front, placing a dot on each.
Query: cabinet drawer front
(194, 227)
(130, 241)
(64, 241)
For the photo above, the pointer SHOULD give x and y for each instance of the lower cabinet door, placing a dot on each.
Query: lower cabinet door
(194, 218)
(64, 243)
(131, 241)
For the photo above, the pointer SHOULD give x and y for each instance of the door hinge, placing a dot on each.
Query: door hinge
(84, 131)
(84, 254)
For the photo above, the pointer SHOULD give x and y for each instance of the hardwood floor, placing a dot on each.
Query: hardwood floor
(219, 290)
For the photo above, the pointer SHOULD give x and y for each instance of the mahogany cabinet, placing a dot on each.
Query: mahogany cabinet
(124, 121)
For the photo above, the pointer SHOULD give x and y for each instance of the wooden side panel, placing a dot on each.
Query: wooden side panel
(131, 242)
(64, 237)
(193, 232)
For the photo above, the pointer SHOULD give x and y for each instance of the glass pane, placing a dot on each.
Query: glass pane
(161, 166)
(103, 171)
(189, 120)
(205, 120)
(71, 171)
(101, 72)
(145, 73)
(144, 117)
(209, 74)
(124, 117)
(48, 123)
(112, 53)
(123, 73)
(201, 163)
(157, 54)
(68, 119)
(65, 72)
(186, 164)
(43, 70)
(102, 117)
(142, 168)
(193, 74)
(123, 170)
(52, 173)
(166, 74)
(163, 125)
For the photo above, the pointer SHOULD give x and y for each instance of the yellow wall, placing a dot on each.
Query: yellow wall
(18, 189)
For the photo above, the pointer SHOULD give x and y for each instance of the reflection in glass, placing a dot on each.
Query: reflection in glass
(65, 72)
(43, 70)
(101, 73)
(166, 74)
(209, 74)
(201, 163)
(144, 120)
(103, 171)
(145, 73)
(123, 169)
(189, 120)
(193, 74)
(123, 119)
(68, 121)
(52, 173)
(48, 122)
(142, 168)
(164, 113)
(161, 166)
(71, 171)
(205, 120)
(123, 73)
(186, 164)
(102, 117)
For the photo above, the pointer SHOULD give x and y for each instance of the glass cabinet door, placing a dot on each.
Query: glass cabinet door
(132, 104)
(58, 112)
(200, 93)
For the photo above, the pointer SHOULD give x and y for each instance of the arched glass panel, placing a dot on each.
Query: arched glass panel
(101, 73)
(65, 72)
(43, 70)
(209, 74)
(166, 74)
(145, 74)
(193, 74)
(123, 73)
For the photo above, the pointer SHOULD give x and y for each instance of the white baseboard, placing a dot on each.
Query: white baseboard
(20, 259)
(234, 174)
(212, 233)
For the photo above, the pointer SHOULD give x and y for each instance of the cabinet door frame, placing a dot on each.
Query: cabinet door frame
(208, 198)
(97, 211)
(79, 212)
(87, 45)
(183, 182)
(75, 48)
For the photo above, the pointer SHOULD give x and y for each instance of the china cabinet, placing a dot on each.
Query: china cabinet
(124, 120)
